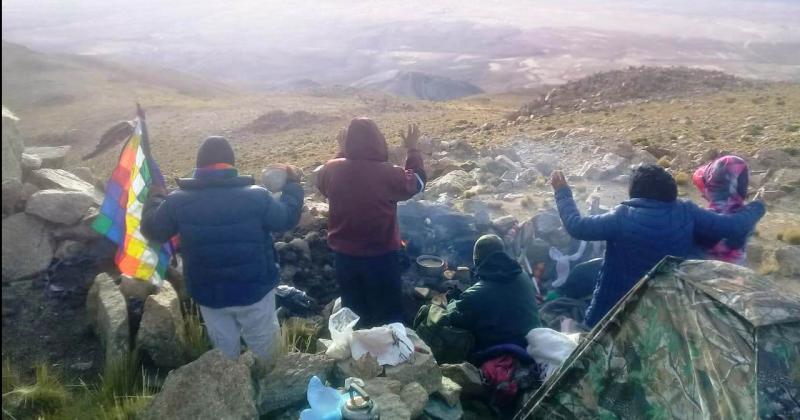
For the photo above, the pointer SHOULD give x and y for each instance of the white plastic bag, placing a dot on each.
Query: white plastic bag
(563, 262)
(550, 348)
(341, 326)
(389, 344)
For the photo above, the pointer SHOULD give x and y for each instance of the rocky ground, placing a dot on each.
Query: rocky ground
(487, 173)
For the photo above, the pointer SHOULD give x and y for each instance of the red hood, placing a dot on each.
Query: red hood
(365, 141)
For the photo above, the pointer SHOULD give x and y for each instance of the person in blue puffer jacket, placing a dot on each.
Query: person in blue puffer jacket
(225, 224)
(641, 231)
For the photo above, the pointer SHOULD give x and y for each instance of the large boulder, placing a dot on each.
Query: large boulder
(70, 250)
(86, 174)
(440, 167)
(422, 367)
(212, 387)
(27, 246)
(392, 407)
(133, 288)
(415, 397)
(314, 216)
(108, 316)
(62, 207)
(608, 167)
(286, 385)
(60, 179)
(30, 163)
(366, 368)
(12, 147)
(161, 333)
(466, 375)
(382, 385)
(12, 195)
(51, 157)
(450, 391)
(81, 232)
(453, 183)
(788, 259)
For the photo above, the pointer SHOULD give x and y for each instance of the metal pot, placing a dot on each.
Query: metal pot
(430, 266)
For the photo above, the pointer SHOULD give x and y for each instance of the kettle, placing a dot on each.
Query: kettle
(359, 406)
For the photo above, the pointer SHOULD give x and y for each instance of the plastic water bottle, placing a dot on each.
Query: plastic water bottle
(325, 402)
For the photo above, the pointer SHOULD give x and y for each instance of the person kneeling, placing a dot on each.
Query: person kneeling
(500, 308)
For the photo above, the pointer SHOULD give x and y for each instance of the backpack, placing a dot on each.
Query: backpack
(448, 344)
(499, 375)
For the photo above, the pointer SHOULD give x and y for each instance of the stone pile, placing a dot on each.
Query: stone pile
(158, 333)
(306, 260)
(47, 217)
(47, 210)
(605, 90)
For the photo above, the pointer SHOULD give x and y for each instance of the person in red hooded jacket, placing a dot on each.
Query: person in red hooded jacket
(363, 188)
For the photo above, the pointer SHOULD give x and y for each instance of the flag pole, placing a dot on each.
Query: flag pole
(155, 170)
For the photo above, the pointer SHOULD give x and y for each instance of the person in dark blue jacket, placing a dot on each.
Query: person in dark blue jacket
(641, 231)
(225, 224)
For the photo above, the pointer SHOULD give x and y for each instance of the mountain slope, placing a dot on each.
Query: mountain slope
(412, 84)
(33, 79)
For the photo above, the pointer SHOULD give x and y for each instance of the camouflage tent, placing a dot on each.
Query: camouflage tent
(692, 340)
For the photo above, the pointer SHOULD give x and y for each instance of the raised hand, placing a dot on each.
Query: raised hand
(557, 180)
(410, 136)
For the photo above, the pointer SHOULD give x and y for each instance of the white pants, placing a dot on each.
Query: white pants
(256, 323)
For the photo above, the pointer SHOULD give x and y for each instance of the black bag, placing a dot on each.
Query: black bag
(449, 344)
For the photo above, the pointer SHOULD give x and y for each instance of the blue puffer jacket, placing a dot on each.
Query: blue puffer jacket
(640, 232)
(225, 228)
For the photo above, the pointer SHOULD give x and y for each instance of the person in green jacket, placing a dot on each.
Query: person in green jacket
(500, 308)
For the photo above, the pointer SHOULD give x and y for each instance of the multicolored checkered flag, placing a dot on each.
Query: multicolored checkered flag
(121, 212)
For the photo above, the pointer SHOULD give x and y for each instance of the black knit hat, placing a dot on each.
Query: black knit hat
(485, 246)
(214, 149)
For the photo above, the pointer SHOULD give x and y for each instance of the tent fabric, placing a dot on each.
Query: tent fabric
(692, 340)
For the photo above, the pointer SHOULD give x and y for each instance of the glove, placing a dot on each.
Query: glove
(293, 173)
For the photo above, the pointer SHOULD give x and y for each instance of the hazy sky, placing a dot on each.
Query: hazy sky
(271, 41)
(728, 20)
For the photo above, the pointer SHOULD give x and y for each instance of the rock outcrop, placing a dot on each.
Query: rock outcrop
(50, 156)
(286, 384)
(13, 146)
(108, 316)
(27, 246)
(62, 207)
(161, 332)
(60, 179)
(422, 367)
(211, 387)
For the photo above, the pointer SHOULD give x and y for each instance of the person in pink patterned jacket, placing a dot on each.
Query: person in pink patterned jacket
(723, 183)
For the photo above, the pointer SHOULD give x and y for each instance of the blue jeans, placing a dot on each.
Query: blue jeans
(371, 287)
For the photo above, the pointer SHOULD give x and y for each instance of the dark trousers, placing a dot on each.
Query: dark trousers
(371, 287)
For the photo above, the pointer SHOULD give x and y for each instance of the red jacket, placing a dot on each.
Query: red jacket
(363, 189)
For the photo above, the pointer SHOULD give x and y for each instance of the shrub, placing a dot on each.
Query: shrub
(299, 336)
(196, 337)
(790, 235)
(45, 395)
(682, 178)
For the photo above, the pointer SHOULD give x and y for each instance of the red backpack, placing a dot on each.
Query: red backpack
(498, 373)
